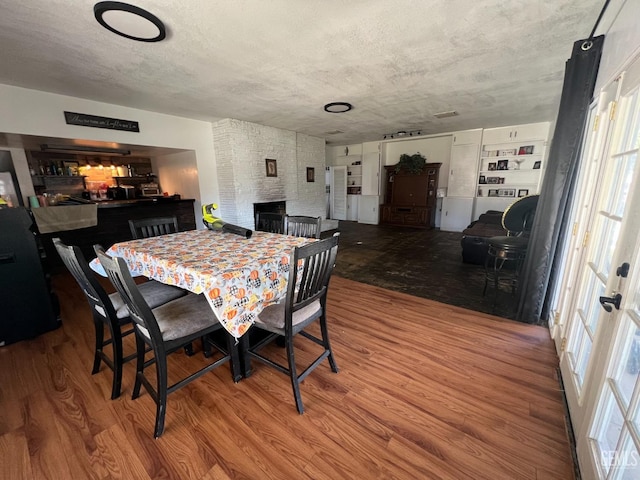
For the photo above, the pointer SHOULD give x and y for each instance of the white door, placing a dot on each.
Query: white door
(601, 359)
(339, 193)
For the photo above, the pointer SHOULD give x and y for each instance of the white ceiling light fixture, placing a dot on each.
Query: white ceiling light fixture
(129, 21)
(450, 113)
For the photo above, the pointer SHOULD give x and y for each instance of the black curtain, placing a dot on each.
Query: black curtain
(550, 222)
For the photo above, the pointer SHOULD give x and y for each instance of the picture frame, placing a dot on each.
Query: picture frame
(482, 179)
(523, 192)
(493, 180)
(493, 192)
(492, 166)
(503, 164)
(71, 167)
(272, 167)
(536, 165)
(525, 150)
(507, 192)
(311, 174)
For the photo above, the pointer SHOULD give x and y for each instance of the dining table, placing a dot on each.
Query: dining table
(239, 276)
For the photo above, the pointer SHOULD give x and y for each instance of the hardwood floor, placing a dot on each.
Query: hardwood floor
(425, 391)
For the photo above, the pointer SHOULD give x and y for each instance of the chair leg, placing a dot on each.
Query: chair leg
(245, 358)
(327, 345)
(293, 374)
(141, 348)
(188, 349)
(97, 358)
(161, 392)
(116, 341)
(207, 350)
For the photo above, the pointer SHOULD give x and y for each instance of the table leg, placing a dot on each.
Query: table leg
(245, 359)
(235, 363)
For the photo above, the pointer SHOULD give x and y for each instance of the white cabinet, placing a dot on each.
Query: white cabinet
(457, 206)
(371, 174)
(467, 137)
(511, 165)
(368, 209)
(352, 207)
(516, 133)
(456, 213)
(463, 168)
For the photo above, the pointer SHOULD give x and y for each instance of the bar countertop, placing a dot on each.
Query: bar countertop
(140, 201)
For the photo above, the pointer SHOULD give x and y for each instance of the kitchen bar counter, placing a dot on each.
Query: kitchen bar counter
(139, 201)
(113, 223)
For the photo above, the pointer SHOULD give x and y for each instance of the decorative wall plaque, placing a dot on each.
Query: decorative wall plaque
(84, 120)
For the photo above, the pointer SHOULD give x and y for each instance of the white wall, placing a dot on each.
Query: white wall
(21, 167)
(31, 112)
(622, 38)
(178, 173)
(435, 149)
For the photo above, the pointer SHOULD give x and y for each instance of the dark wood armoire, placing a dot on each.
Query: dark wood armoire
(410, 198)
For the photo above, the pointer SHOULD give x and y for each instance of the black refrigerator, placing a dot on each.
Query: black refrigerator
(26, 301)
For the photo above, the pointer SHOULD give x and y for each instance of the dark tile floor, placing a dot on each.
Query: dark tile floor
(424, 263)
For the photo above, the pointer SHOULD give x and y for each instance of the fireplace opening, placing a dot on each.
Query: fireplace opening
(269, 207)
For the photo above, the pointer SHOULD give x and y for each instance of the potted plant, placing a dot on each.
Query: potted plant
(411, 163)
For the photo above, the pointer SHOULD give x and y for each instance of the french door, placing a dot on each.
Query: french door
(598, 304)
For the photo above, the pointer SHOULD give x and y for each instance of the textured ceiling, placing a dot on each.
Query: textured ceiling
(277, 62)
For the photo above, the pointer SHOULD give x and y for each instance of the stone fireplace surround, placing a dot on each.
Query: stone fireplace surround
(241, 149)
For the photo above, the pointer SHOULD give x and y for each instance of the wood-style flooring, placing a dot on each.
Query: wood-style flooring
(425, 391)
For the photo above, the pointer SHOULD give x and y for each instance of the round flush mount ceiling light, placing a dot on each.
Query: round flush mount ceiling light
(129, 21)
(337, 107)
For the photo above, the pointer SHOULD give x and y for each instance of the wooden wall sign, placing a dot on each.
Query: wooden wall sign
(84, 120)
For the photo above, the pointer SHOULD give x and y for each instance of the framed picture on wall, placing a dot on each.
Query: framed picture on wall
(536, 165)
(272, 167)
(503, 164)
(491, 166)
(311, 174)
(523, 192)
(507, 192)
(493, 192)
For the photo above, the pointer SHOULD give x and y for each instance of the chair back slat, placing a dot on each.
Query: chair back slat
(153, 227)
(270, 222)
(302, 226)
(77, 265)
(139, 311)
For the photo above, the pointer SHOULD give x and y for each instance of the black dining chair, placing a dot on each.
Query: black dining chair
(110, 311)
(302, 226)
(270, 222)
(165, 330)
(153, 227)
(305, 303)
